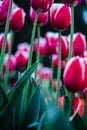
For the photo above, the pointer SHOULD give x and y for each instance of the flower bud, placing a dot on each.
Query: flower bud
(43, 5)
(74, 74)
(42, 45)
(17, 18)
(72, 2)
(42, 18)
(51, 42)
(7, 42)
(79, 44)
(60, 16)
(22, 58)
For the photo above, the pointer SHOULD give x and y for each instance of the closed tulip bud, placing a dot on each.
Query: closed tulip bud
(12, 65)
(22, 58)
(52, 42)
(42, 5)
(42, 45)
(79, 44)
(74, 74)
(72, 2)
(7, 42)
(60, 102)
(17, 18)
(23, 47)
(42, 18)
(55, 62)
(60, 16)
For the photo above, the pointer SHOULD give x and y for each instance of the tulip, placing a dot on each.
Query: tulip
(42, 45)
(79, 44)
(43, 5)
(22, 58)
(7, 42)
(51, 42)
(42, 18)
(60, 16)
(72, 2)
(74, 74)
(17, 18)
(12, 64)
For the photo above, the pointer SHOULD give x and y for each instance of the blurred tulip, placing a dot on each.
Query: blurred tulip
(22, 58)
(12, 65)
(79, 44)
(43, 5)
(74, 74)
(7, 42)
(42, 18)
(51, 42)
(72, 2)
(42, 45)
(60, 16)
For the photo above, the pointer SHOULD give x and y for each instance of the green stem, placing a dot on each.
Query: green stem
(5, 37)
(38, 53)
(7, 67)
(51, 86)
(25, 92)
(71, 33)
(58, 71)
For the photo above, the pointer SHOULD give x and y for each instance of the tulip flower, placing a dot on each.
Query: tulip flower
(74, 74)
(23, 47)
(7, 42)
(42, 5)
(42, 18)
(22, 58)
(42, 45)
(79, 44)
(60, 16)
(72, 2)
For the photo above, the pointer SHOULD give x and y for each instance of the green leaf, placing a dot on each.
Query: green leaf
(33, 108)
(33, 125)
(85, 114)
(15, 92)
(78, 123)
(4, 98)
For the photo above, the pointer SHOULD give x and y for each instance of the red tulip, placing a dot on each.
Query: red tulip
(43, 47)
(79, 44)
(60, 16)
(43, 5)
(17, 18)
(42, 18)
(52, 42)
(7, 42)
(74, 74)
(22, 58)
(72, 2)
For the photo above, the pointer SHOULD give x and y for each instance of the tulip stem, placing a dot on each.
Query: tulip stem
(25, 91)
(7, 67)
(58, 70)
(38, 53)
(71, 33)
(5, 37)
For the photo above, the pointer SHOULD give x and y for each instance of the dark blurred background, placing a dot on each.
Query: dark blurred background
(24, 35)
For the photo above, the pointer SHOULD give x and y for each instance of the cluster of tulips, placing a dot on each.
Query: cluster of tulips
(35, 96)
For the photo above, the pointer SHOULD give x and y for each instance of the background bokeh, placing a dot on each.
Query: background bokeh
(24, 35)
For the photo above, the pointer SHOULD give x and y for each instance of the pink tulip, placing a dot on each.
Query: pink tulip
(23, 47)
(74, 74)
(60, 16)
(43, 5)
(42, 18)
